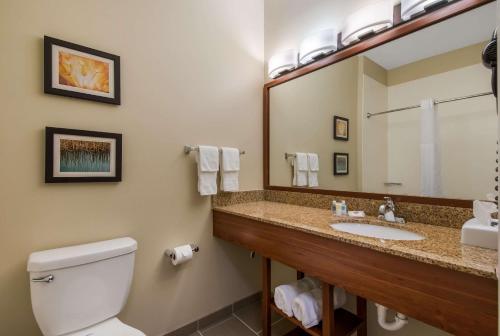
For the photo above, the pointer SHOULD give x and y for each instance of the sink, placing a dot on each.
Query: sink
(376, 231)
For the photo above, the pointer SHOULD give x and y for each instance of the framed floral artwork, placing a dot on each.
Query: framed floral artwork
(80, 72)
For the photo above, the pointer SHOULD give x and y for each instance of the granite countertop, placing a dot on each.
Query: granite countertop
(441, 247)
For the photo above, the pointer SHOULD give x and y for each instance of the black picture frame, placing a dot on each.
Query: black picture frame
(65, 90)
(336, 166)
(50, 174)
(336, 135)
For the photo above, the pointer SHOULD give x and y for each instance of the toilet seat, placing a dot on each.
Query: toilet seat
(111, 327)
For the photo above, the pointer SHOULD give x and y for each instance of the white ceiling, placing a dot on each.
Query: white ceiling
(469, 28)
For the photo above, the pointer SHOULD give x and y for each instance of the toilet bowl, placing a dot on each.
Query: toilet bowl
(79, 290)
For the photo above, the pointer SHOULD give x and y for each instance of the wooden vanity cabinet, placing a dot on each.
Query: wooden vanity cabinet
(454, 301)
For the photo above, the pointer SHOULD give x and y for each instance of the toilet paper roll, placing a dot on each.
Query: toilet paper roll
(182, 254)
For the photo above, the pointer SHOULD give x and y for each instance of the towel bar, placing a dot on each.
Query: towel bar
(289, 155)
(188, 149)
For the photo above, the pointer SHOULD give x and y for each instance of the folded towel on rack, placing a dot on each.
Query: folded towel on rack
(308, 306)
(300, 169)
(312, 174)
(230, 168)
(207, 158)
(284, 294)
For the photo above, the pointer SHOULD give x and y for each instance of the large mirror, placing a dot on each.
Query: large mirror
(397, 119)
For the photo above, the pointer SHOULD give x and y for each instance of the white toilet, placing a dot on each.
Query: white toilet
(79, 290)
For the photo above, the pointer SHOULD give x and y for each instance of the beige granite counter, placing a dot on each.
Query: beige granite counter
(441, 247)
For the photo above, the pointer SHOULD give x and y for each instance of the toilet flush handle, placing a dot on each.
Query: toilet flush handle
(47, 279)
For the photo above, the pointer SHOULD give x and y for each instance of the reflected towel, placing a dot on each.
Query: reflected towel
(300, 169)
(312, 174)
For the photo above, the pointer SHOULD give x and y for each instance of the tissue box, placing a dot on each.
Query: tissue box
(477, 234)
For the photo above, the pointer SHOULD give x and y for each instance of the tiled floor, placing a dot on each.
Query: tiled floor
(246, 322)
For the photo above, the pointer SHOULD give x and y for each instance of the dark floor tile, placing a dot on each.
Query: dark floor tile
(251, 315)
(282, 327)
(216, 317)
(230, 327)
(247, 301)
(185, 331)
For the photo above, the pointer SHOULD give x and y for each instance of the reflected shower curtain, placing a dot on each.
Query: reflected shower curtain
(430, 156)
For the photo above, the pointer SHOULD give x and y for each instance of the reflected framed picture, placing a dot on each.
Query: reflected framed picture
(76, 71)
(340, 128)
(340, 164)
(82, 156)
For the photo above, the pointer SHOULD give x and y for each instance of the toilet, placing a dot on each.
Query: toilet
(79, 290)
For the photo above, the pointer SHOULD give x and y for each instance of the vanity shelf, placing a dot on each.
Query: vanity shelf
(346, 323)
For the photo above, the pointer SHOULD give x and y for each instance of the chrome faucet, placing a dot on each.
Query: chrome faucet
(387, 211)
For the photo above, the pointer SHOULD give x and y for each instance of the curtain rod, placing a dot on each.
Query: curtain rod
(438, 101)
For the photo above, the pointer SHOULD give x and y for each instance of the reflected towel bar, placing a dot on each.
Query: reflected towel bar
(437, 101)
(291, 155)
(188, 149)
(393, 183)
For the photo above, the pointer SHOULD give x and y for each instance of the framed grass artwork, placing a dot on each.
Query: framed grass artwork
(80, 72)
(82, 156)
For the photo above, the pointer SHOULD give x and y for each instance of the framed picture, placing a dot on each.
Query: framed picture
(76, 71)
(340, 128)
(82, 156)
(340, 164)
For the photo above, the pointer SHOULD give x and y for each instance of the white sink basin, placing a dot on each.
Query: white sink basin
(376, 231)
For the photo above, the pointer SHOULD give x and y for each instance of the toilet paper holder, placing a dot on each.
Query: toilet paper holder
(170, 252)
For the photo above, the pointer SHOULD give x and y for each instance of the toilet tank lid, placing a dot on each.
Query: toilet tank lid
(80, 254)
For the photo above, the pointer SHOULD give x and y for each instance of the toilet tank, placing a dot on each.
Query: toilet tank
(90, 284)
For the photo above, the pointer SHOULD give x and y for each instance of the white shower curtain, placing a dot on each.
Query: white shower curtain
(430, 156)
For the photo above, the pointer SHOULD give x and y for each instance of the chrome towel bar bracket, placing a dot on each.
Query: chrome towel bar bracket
(188, 149)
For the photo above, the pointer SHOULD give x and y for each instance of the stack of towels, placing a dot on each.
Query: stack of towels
(303, 299)
(208, 161)
(305, 169)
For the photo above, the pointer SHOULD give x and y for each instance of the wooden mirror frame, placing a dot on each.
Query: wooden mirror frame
(399, 29)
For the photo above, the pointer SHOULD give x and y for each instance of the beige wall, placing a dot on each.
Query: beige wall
(302, 121)
(374, 132)
(191, 74)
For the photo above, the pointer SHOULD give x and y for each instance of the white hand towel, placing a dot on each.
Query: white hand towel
(312, 174)
(300, 169)
(207, 158)
(230, 168)
(284, 294)
(430, 167)
(308, 307)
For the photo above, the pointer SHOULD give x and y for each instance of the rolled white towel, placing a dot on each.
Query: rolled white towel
(284, 294)
(308, 307)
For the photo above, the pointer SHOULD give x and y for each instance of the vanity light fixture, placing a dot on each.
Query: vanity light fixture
(367, 21)
(411, 8)
(318, 45)
(281, 63)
